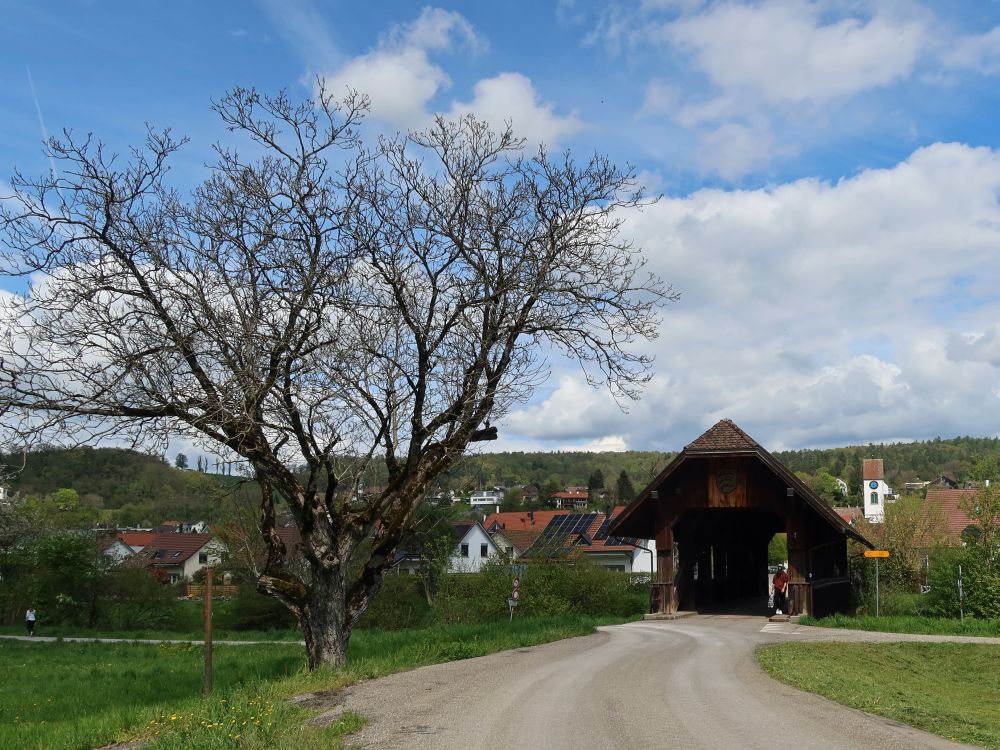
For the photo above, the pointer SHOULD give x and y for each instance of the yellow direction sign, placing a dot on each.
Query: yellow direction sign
(876, 553)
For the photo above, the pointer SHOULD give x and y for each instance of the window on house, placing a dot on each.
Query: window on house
(465, 550)
(160, 553)
(874, 498)
(177, 554)
(203, 558)
(484, 550)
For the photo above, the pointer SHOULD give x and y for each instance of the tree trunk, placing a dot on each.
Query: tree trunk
(324, 622)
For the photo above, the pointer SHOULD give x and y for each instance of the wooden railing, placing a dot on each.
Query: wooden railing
(219, 591)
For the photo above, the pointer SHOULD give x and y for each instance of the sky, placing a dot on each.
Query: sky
(829, 175)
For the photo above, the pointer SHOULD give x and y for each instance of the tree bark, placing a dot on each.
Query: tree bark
(324, 621)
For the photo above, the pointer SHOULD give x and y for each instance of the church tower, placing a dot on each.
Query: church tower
(875, 492)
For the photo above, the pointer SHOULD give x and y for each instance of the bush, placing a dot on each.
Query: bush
(135, 600)
(980, 583)
(399, 604)
(251, 610)
(547, 588)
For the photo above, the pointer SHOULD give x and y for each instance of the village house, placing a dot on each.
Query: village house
(563, 534)
(475, 546)
(177, 557)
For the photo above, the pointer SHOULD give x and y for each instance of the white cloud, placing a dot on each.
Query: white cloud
(786, 52)
(574, 412)
(302, 24)
(435, 29)
(763, 80)
(398, 76)
(512, 97)
(399, 83)
(815, 312)
(732, 150)
(977, 52)
(403, 82)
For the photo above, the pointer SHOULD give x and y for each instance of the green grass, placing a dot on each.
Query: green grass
(910, 624)
(950, 689)
(62, 696)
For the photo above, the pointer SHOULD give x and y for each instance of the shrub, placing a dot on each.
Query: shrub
(251, 610)
(135, 600)
(399, 604)
(547, 588)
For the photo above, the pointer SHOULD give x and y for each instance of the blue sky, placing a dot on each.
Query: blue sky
(829, 173)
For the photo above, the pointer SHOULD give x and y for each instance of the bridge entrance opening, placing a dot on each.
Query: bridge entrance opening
(721, 561)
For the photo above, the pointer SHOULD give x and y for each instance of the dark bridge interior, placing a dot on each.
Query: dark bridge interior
(722, 558)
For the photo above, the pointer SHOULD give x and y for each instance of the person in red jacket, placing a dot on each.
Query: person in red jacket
(780, 584)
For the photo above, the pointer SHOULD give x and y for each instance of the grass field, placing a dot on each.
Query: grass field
(910, 624)
(950, 689)
(62, 696)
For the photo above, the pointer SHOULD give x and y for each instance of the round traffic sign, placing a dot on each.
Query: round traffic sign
(514, 596)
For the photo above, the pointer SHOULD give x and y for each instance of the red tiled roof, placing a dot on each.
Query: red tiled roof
(849, 514)
(522, 519)
(523, 539)
(570, 495)
(137, 539)
(724, 435)
(171, 544)
(949, 502)
(871, 468)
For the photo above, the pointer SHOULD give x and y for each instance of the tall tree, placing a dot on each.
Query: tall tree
(314, 317)
(181, 462)
(624, 489)
(596, 481)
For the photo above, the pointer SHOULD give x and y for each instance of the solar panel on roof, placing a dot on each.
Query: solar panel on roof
(570, 523)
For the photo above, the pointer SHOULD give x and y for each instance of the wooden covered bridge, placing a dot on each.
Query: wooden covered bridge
(713, 511)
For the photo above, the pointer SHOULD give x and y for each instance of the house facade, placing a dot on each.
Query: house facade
(564, 534)
(475, 546)
(177, 557)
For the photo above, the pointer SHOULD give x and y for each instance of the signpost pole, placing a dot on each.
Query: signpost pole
(961, 608)
(207, 689)
(876, 587)
(876, 553)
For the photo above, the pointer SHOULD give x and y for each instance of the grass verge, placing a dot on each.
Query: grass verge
(950, 689)
(910, 624)
(62, 696)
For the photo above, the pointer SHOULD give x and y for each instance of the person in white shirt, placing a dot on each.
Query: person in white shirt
(29, 621)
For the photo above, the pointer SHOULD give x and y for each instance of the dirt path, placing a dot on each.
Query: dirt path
(690, 683)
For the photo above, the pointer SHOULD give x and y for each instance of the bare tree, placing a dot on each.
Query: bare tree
(326, 304)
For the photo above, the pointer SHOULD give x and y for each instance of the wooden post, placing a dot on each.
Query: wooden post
(663, 595)
(207, 689)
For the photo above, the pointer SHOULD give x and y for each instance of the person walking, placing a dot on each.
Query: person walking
(29, 621)
(780, 584)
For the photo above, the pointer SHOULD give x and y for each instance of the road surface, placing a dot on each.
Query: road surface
(688, 683)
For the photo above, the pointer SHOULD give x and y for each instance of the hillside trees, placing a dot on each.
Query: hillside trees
(327, 305)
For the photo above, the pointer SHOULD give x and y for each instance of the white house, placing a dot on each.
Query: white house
(486, 497)
(474, 547)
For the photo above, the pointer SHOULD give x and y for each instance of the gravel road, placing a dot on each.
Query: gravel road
(688, 683)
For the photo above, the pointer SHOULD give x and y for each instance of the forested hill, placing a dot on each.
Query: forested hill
(141, 489)
(134, 488)
(903, 462)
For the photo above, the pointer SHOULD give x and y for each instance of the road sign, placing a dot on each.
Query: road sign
(516, 595)
(876, 553)
(517, 584)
